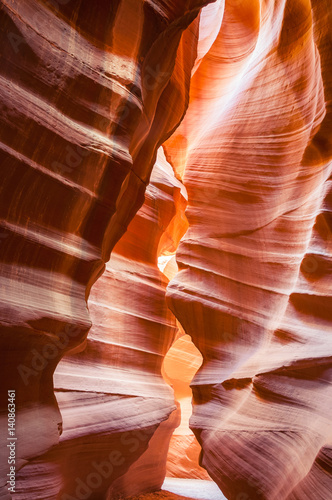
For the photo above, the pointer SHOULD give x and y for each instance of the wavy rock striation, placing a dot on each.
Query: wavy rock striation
(112, 395)
(254, 283)
(180, 365)
(87, 96)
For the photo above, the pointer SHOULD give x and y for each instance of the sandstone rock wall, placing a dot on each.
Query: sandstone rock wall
(110, 390)
(87, 95)
(254, 286)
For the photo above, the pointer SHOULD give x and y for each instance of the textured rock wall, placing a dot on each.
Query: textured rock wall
(87, 96)
(254, 286)
(180, 365)
(111, 395)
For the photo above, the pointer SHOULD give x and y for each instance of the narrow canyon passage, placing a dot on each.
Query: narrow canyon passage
(180, 365)
(165, 249)
(254, 287)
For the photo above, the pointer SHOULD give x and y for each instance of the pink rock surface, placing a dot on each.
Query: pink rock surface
(254, 286)
(241, 93)
(112, 395)
(87, 95)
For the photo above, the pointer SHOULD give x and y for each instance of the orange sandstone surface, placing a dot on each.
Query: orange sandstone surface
(165, 247)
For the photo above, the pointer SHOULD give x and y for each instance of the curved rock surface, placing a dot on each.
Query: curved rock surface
(254, 283)
(87, 95)
(112, 395)
(180, 365)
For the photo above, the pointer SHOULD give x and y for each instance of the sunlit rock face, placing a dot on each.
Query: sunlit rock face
(180, 365)
(254, 286)
(113, 399)
(87, 94)
(148, 472)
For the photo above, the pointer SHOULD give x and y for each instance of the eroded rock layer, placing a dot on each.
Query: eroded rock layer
(254, 286)
(87, 95)
(112, 395)
(180, 365)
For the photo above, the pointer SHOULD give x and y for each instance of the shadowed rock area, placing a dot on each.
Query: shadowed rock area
(197, 133)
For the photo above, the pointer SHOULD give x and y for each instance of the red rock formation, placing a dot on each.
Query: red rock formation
(87, 96)
(112, 396)
(147, 474)
(180, 365)
(254, 285)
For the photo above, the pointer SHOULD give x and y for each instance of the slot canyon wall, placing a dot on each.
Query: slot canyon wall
(238, 92)
(87, 96)
(254, 286)
(117, 411)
